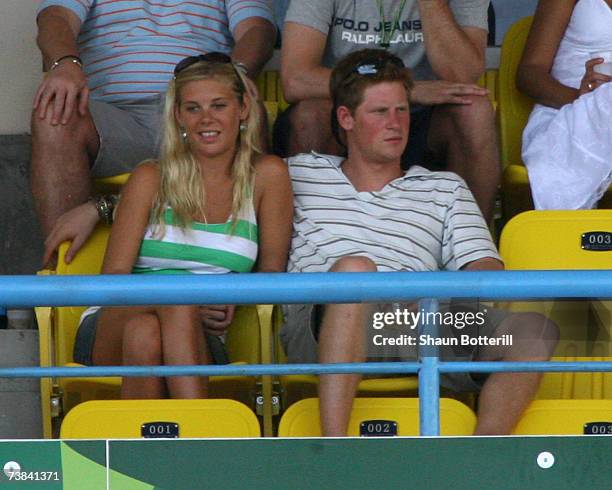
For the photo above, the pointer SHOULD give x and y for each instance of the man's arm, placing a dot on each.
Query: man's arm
(455, 53)
(484, 264)
(65, 85)
(302, 74)
(254, 43)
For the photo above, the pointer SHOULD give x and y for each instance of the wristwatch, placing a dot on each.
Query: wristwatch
(105, 206)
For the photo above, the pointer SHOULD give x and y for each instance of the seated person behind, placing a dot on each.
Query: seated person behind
(211, 205)
(443, 44)
(568, 140)
(363, 213)
(98, 109)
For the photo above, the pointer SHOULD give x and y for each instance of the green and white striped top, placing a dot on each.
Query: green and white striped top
(200, 248)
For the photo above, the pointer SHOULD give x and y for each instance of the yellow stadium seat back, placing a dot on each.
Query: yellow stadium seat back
(88, 261)
(576, 386)
(559, 240)
(298, 387)
(514, 107)
(553, 240)
(126, 419)
(302, 418)
(565, 417)
(110, 184)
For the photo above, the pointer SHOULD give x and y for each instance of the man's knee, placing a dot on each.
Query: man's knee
(534, 337)
(473, 120)
(354, 263)
(80, 131)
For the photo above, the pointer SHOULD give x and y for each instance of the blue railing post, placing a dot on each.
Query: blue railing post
(429, 374)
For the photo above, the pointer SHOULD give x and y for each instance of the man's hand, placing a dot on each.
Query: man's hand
(75, 225)
(62, 92)
(216, 318)
(436, 92)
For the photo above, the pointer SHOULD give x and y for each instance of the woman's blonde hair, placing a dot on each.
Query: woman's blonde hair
(180, 185)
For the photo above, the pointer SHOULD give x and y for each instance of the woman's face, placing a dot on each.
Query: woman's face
(211, 114)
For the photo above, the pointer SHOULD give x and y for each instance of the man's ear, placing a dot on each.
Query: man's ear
(345, 118)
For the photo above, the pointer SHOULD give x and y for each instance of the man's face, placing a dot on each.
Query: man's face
(378, 129)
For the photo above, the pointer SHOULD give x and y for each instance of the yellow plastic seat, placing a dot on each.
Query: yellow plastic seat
(565, 417)
(58, 327)
(298, 387)
(576, 386)
(111, 184)
(124, 419)
(302, 418)
(552, 240)
(513, 110)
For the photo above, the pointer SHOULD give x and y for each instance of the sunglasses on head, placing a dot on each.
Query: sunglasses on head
(214, 57)
(372, 66)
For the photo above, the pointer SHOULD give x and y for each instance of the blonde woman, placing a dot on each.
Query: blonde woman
(211, 204)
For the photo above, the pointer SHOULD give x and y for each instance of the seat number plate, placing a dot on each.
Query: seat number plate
(597, 241)
(598, 428)
(378, 428)
(159, 430)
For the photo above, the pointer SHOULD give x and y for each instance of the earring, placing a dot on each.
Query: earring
(183, 133)
(243, 126)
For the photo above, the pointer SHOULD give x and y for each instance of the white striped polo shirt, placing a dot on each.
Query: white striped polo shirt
(129, 47)
(423, 221)
(200, 248)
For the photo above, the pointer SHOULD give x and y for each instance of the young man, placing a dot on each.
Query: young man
(363, 213)
(442, 42)
(97, 111)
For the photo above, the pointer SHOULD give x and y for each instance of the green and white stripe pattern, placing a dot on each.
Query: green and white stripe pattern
(201, 248)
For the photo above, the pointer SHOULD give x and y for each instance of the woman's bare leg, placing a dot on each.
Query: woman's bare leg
(183, 343)
(142, 346)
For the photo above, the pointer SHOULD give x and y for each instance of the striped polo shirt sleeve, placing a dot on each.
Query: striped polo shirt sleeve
(466, 235)
(239, 10)
(129, 48)
(79, 7)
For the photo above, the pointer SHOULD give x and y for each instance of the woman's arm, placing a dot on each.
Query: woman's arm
(274, 207)
(131, 220)
(533, 76)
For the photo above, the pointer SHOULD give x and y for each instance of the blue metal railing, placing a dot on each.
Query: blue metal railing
(25, 291)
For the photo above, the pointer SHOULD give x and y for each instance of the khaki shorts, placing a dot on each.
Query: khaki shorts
(299, 338)
(129, 133)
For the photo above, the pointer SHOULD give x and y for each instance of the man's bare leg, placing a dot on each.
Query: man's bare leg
(342, 339)
(310, 125)
(505, 396)
(61, 159)
(465, 135)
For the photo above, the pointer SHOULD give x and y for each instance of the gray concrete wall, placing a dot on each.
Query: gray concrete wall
(20, 238)
(20, 414)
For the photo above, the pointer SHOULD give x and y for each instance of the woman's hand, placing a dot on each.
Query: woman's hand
(75, 225)
(216, 318)
(591, 79)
